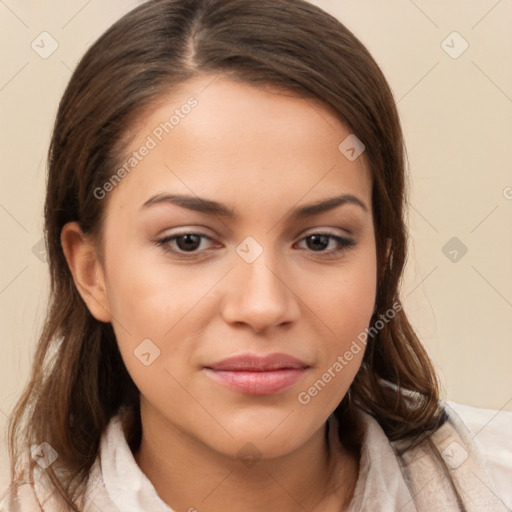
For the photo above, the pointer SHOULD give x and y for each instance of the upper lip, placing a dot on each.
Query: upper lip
(255, 363)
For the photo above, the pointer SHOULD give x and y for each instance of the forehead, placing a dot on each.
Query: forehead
(249, 146)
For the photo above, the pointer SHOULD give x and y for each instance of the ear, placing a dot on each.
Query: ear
(85, 266)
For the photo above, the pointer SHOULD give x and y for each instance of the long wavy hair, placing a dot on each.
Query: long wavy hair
(78, 380)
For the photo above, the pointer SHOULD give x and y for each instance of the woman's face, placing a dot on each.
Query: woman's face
(217, 247)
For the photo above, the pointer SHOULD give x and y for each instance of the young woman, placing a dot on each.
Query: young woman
(225, 231)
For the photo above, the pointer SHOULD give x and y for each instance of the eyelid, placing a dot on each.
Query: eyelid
(327, 231)
(199, 230)
(187, 230)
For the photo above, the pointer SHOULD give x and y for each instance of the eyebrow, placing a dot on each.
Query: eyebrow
(211, 207)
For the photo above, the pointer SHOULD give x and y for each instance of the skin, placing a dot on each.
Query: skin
(262, 153)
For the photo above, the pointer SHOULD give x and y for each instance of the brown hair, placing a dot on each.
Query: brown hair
(78, 380)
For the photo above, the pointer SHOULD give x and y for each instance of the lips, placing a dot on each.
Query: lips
(248, 362)
(258, 375)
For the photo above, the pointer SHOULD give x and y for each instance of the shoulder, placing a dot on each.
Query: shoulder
(459, 463)
(5, 484)
(491, 432)
(24, 497)
(95, 495)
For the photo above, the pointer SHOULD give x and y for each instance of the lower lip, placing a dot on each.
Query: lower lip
(258, 383)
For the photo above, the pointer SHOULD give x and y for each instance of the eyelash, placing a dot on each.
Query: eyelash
(345, 244)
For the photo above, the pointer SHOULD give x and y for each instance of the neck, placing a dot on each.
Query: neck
(188, 475)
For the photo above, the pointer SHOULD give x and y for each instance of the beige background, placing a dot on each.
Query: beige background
(457, 117)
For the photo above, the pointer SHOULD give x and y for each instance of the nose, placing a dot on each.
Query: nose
(259, 297)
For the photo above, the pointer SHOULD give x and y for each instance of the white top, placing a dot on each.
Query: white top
(477, 451)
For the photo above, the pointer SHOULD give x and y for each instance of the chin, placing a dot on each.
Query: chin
(269, 437)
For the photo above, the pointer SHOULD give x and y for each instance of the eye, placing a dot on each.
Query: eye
(327, 243)
(193, 244)
(185, 243)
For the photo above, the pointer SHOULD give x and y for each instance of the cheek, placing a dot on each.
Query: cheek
(347, 297)
(147, 296)
(344, 302)
(165, 304)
